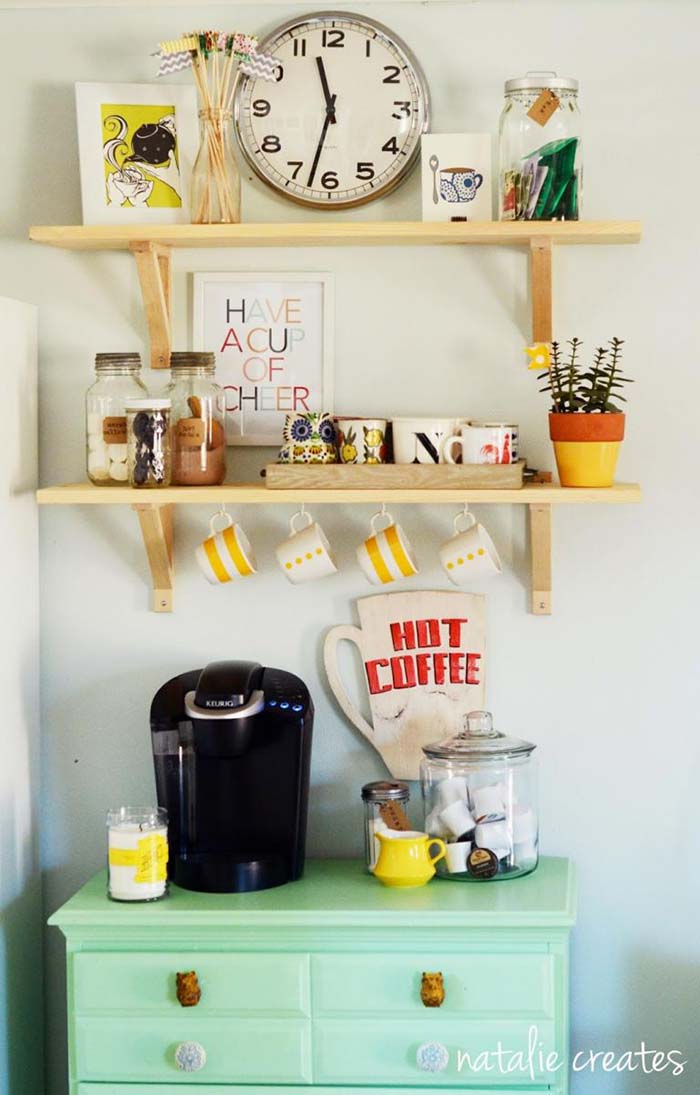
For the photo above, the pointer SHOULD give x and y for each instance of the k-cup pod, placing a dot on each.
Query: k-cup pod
(306, 554)
(495, 836)
(457, 857)
(387, 554)
(434, 826)
(457, 818)
(524, 824)
(470, 553)
(489, 802)
(453, 789)
(226, 554)
(524, 854)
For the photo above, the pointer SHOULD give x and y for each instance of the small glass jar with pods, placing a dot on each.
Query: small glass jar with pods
(117, 378)
(385, 809)
(148, 442)
(137, 838)
(198, 405)
(539, 149)
(480, 796)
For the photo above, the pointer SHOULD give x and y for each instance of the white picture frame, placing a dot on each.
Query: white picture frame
(117, 189)
(456, 176)
(255, 323)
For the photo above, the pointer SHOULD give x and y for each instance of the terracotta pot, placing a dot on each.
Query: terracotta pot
(586, 447)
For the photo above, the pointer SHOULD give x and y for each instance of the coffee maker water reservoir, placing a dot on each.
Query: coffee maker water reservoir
(232, 750)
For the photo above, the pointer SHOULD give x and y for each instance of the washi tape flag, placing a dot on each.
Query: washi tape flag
(539, 356)
(177, 53)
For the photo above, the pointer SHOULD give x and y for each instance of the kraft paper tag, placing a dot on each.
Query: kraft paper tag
(114, 430)
(190, 431)
(543, 107)
(394, 817)
(150, 858)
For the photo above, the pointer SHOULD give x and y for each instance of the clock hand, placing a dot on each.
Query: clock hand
(319, 148)
(330, 99)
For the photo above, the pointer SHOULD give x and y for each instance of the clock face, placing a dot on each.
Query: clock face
(341, 124)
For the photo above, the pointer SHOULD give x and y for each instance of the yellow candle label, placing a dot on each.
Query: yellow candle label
(150, 858)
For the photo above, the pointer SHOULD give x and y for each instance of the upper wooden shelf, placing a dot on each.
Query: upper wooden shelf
(336, 234)
(250, 493)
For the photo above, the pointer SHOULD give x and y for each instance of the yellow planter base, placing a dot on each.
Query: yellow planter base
(586, 463)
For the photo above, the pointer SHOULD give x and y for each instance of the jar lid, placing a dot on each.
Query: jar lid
(385, 790)
(147, 404)
(536, 81)
(189, 359)
(108, 361)
(479, 741)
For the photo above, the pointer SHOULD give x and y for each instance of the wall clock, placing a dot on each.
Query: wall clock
(341, 124)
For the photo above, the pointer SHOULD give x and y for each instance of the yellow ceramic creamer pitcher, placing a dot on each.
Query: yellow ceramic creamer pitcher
(405, 859)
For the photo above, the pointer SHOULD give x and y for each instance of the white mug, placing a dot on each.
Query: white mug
(306, 554)
(421, 440)
(225, 554)
(387, 554)
(484, 443)
(470, 553)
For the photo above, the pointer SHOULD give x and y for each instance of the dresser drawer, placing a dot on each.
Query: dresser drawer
(384, 1052)
(239, 1051)
(476, 984)
(247, 984)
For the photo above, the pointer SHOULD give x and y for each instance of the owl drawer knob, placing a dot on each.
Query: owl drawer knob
(190, 1057)
(432, 990)
(432, 1057)
(188, 989)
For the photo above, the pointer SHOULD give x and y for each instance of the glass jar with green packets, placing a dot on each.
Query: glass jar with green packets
(540, 154)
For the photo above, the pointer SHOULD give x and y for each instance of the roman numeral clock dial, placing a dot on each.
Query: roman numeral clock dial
(342, 122)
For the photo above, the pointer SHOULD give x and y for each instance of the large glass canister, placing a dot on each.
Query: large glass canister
(117, 378)
(480, 796)
(539, 149)
(385, 802)
(198, 440)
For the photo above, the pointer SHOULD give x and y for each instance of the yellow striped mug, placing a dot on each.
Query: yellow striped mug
(387, 554)
(226, 554)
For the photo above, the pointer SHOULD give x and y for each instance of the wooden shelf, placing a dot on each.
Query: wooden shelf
(155, 513)
(152, 247)
(333, 233)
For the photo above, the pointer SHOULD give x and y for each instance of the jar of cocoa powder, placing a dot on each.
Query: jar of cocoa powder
(198, 440)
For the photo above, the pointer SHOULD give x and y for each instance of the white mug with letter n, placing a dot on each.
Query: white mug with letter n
(423, 659)
(421, 440)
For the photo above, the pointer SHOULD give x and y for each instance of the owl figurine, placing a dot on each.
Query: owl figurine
(432, 990)
(309, 438)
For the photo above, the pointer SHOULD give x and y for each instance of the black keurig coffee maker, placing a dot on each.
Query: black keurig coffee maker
(232, 748)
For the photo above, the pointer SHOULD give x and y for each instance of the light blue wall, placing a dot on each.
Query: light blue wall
(608, 686)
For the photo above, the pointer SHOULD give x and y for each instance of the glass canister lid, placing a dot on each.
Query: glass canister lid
(385, 790)
(535, 81)
(479, 741)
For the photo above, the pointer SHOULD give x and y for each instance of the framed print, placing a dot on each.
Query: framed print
(456, 176)
(272, 334)
(138, 143)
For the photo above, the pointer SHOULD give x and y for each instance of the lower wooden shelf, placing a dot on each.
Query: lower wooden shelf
(154, 509)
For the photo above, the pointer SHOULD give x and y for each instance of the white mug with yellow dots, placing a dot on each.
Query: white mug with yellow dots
(470, 553)
(306, 554)
(387, 554)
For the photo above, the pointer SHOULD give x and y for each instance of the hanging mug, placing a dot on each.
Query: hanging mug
(387, 554)
(470, 553)
(306, 554)
(226, 553)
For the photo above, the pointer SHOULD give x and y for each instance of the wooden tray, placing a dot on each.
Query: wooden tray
(394, 476)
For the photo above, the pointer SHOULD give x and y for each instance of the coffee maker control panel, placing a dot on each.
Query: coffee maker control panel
(284, 693)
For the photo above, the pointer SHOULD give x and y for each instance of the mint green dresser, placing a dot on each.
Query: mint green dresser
(318, 983)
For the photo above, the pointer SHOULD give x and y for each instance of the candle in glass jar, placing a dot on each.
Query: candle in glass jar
(138, 853)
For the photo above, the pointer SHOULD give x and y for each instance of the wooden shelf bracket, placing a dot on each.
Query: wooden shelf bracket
(541, 289)
(541, 558)
(157, 530)
(153, 263)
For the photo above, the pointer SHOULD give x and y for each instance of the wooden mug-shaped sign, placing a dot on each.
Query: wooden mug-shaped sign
(423, 657)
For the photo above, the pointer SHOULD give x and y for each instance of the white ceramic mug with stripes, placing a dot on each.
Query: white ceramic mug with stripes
(387, 554)
(306, 554)
(226, 554)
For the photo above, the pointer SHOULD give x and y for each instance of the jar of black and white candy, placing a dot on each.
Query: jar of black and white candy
(148, 441)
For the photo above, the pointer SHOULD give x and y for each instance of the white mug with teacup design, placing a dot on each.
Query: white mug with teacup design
(226, 554)
(387, 554)
(306, 554)
(470, 553)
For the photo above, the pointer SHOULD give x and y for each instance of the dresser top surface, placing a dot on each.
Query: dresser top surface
(338, 893)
